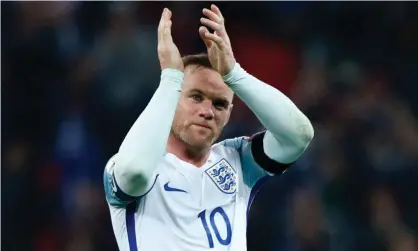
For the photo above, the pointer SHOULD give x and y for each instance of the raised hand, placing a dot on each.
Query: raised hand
(218, 43)
(168, 52)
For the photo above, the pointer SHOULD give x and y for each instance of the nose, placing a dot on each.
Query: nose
(206, 111)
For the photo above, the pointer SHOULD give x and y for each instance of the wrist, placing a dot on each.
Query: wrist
(173, 76)
(234, 75)
(172, 73)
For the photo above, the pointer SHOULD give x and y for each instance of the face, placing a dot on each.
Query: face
(203, 109)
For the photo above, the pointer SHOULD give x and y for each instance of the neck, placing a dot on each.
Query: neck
(186, 152)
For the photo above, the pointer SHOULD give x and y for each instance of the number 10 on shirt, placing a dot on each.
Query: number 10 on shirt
(213, 228)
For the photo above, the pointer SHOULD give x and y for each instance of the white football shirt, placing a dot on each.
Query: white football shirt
(190, 208)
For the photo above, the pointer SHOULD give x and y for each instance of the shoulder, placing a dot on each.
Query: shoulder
(232, 147)
(244, 142)
(252, 152)
(233, 143)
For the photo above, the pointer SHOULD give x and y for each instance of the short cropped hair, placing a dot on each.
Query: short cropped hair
(201, 59)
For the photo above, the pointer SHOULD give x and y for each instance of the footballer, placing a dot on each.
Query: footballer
(170, 187)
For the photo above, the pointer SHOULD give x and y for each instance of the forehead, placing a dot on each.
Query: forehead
(207, 81)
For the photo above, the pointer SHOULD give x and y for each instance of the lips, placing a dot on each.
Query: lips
(203, 125)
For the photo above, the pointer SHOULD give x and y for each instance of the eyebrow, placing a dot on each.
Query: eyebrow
(222, 99)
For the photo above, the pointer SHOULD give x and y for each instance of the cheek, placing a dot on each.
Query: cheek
(221, 120)
(183, 113)
(188, 109)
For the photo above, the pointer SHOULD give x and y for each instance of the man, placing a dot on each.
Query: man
(169, 187)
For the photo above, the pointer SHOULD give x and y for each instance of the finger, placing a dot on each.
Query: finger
(161, 25)
(212, 16)
(202, 31)
(211, 24)
(220, 20)
(217, 11)
(167, 31)
(165, 23)
(216, 39)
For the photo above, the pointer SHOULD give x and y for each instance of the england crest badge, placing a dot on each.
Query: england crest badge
(224, 176)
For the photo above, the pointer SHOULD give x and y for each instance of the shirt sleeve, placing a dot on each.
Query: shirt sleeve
(254, 161)
(145, 144)
(114, 195)
(289, 131)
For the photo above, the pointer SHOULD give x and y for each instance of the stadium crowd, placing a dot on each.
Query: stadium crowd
(76, 75)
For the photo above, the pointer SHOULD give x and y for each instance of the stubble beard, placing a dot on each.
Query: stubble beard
(184, 134)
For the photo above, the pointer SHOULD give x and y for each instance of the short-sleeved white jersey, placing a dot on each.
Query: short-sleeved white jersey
(190, 208)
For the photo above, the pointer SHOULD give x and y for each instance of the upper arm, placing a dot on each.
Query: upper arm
(254, 161)
(114, 194)
(117, 187)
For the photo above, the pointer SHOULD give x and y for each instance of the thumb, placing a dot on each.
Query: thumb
(202, 31)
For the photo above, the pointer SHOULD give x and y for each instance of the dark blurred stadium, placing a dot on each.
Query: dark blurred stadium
(76, 75)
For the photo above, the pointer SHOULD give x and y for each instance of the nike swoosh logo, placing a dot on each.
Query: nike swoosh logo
(172, 189)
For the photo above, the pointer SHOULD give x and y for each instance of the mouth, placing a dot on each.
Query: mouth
(203, 126)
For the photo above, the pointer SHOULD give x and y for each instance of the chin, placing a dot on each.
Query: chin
(198, 140)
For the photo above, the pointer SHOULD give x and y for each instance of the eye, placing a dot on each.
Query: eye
(220, 105)
(197, 97)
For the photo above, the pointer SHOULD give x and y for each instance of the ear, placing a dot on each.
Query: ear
(229, 114)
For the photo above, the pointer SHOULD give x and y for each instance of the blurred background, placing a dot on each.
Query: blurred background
(76, 75)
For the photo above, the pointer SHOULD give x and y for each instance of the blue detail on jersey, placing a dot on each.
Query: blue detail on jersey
(227, 240)
(111, 196)
(172, 189)
(218, 172)
(119, 193)
(254, 192)
(115, 196)
(251, 171)
(202, 216)
(153, 184)
(223, 179)
(130, 226)
(223, 176)
(229, 185)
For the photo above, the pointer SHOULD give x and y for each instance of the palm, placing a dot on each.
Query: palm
(214, 53)
(217, 43)
(168, 52)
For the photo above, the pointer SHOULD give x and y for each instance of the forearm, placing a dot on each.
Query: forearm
(289, 130)
(146, 141)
